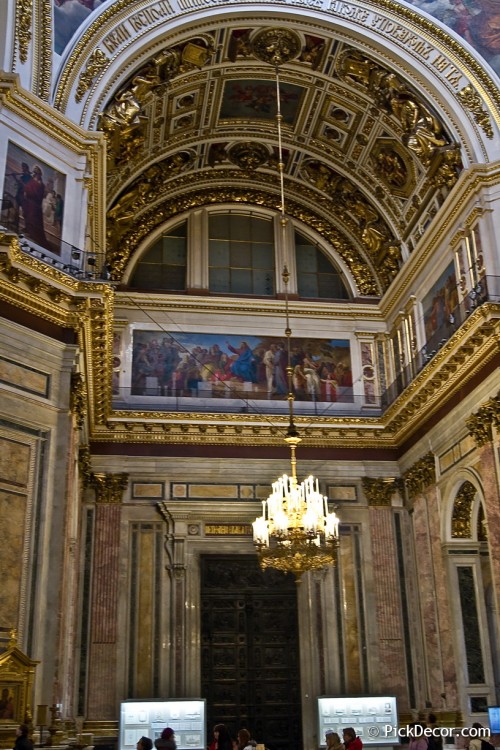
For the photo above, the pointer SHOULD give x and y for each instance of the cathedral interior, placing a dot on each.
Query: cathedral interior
(221, 218)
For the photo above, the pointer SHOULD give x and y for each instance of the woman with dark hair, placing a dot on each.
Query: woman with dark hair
(23, 742)
(351, 740)
(222, 738)
(166, 741)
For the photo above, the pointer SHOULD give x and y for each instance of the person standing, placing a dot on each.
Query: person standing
(166, 741)
(23, 742)
(418, 741)
(333, 740)
(222, 738)
(351, 740)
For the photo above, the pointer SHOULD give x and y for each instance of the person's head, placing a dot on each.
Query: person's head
(243, 737)
(221, 732)
(431, 719)
(37, 172)
(145, 743)
(167, 733)
(477, 725)
(349, 734)
(329, 736)
(25, 168)
(22, 730)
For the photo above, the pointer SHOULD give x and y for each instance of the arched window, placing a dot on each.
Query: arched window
(234, 252)
(316, 276)
(163, 267)
(241, 254)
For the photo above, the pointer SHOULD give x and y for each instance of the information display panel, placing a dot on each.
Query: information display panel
(374, 719)
(494, 719)
(149, 718)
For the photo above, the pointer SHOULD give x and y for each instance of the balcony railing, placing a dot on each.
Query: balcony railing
(81, 264)
(487, 290)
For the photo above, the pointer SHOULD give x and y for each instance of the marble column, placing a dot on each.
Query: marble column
(103, 656)
(391, 647)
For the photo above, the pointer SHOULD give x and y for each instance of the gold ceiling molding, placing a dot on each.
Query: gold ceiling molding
(96, 63)
(216, 430)
(24, 18)
(78, 399)
(420, 476)
(474, 103)
(430, 30)
(379, 491)
(480, 424)
(158, 304)
(43, 45)
(461, 57)
(126, 243)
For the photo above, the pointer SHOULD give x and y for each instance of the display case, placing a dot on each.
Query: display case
(149, 718)
(373, 718)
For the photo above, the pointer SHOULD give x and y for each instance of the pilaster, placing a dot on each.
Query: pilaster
(103, 656)
(390, 628)
(440, 673)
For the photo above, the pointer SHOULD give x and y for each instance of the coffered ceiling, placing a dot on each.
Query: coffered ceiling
(368, 158)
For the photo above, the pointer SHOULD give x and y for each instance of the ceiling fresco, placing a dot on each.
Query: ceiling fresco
(196, 124)
(476, 21)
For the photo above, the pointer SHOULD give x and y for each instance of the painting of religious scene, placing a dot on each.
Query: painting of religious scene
(8, 701)
(205, 365)
(477, 21)
(33, 199)
(440, 302)
(243, 99)
(69, 15)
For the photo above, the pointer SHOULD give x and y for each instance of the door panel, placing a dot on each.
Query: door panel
(250, 650)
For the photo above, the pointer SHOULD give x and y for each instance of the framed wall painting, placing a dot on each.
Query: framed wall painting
(35, 191)
(213, 365)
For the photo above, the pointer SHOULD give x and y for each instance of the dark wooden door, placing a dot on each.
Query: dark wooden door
(250, 650)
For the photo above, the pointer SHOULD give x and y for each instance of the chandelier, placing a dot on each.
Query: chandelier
(296, 532)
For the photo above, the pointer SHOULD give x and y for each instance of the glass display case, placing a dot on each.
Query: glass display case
(374, 719)
(149, 718)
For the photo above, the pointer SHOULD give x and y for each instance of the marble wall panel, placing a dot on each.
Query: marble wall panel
(12, 530)
(14, 462)
(24, 378)
(354, 681)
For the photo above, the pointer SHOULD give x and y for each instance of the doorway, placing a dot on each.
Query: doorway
(250, 650)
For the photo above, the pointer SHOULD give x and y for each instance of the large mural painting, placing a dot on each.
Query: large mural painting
(202, 365)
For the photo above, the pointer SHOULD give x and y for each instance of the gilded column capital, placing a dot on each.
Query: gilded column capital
(109, 487)
(379, 491)
(480, 424)
(421, 475)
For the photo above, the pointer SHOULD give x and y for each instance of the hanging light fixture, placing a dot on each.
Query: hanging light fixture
(296, 532)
